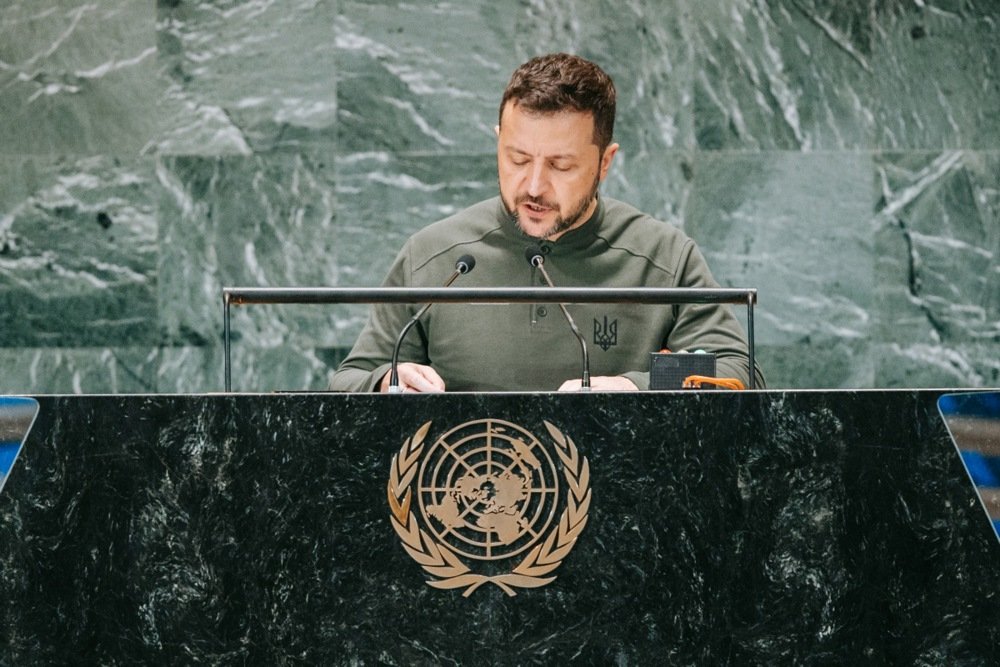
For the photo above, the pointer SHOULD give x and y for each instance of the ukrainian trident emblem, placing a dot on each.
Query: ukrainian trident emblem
(606, 333)
(487, 502)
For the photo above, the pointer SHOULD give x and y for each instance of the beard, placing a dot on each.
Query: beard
(561, 223)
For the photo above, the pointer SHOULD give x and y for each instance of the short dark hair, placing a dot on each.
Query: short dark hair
(560, 82)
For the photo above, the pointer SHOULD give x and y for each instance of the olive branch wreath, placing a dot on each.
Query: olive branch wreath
(441, 562)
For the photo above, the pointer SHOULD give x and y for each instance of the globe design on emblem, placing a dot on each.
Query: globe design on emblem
(488, 489)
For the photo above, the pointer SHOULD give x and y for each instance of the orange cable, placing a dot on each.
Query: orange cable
(695, 382)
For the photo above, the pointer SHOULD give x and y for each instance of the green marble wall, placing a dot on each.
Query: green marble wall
(842, 157)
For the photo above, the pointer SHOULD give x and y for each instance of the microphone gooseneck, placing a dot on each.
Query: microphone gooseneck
(464, 264)
(535, 258)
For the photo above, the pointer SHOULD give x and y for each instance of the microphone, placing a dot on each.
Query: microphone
(535, 257)
(464, 264)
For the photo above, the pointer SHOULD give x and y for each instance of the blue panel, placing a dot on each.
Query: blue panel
(8, 450)
(16, 417)
(984, 470)
(973, 421)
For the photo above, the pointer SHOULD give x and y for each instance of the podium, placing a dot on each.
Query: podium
(836, 527)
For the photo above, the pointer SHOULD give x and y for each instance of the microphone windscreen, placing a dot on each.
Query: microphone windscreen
(465, 263)
(533, 254)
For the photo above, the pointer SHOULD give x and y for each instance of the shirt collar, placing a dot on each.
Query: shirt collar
(579, 237)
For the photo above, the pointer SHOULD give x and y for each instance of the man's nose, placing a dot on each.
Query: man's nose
(538, 180)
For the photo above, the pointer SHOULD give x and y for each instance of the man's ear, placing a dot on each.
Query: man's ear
(496, 130)
(607, 158)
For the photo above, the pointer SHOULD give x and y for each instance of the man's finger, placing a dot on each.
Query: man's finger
(420, 378)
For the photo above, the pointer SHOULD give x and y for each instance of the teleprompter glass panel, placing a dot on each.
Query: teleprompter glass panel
(16, 417)
(973, 419)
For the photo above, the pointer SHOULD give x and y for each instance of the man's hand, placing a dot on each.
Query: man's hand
(602, 383)
(414, 378)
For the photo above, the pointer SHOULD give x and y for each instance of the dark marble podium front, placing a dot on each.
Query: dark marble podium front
(725, 528)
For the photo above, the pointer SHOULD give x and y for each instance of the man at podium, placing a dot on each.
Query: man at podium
(554, 148)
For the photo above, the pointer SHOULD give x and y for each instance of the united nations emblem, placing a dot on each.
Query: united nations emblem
(488, 494)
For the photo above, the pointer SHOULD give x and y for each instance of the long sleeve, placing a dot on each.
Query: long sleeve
(710, 327)
(371, 356)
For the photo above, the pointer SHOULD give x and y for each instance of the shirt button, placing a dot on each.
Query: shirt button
(542, 311)
(546, 249)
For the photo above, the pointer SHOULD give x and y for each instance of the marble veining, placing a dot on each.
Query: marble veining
(840, 157)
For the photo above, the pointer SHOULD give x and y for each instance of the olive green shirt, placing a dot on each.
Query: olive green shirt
(530, 347)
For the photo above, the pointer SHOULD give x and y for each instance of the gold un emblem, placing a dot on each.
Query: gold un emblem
(488, 493)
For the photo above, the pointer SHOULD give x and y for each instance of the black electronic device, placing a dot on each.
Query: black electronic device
(667, 370)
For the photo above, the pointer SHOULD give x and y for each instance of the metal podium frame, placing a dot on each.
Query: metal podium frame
(245, 296)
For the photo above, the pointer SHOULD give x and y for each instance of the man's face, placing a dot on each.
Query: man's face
(549, 169)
